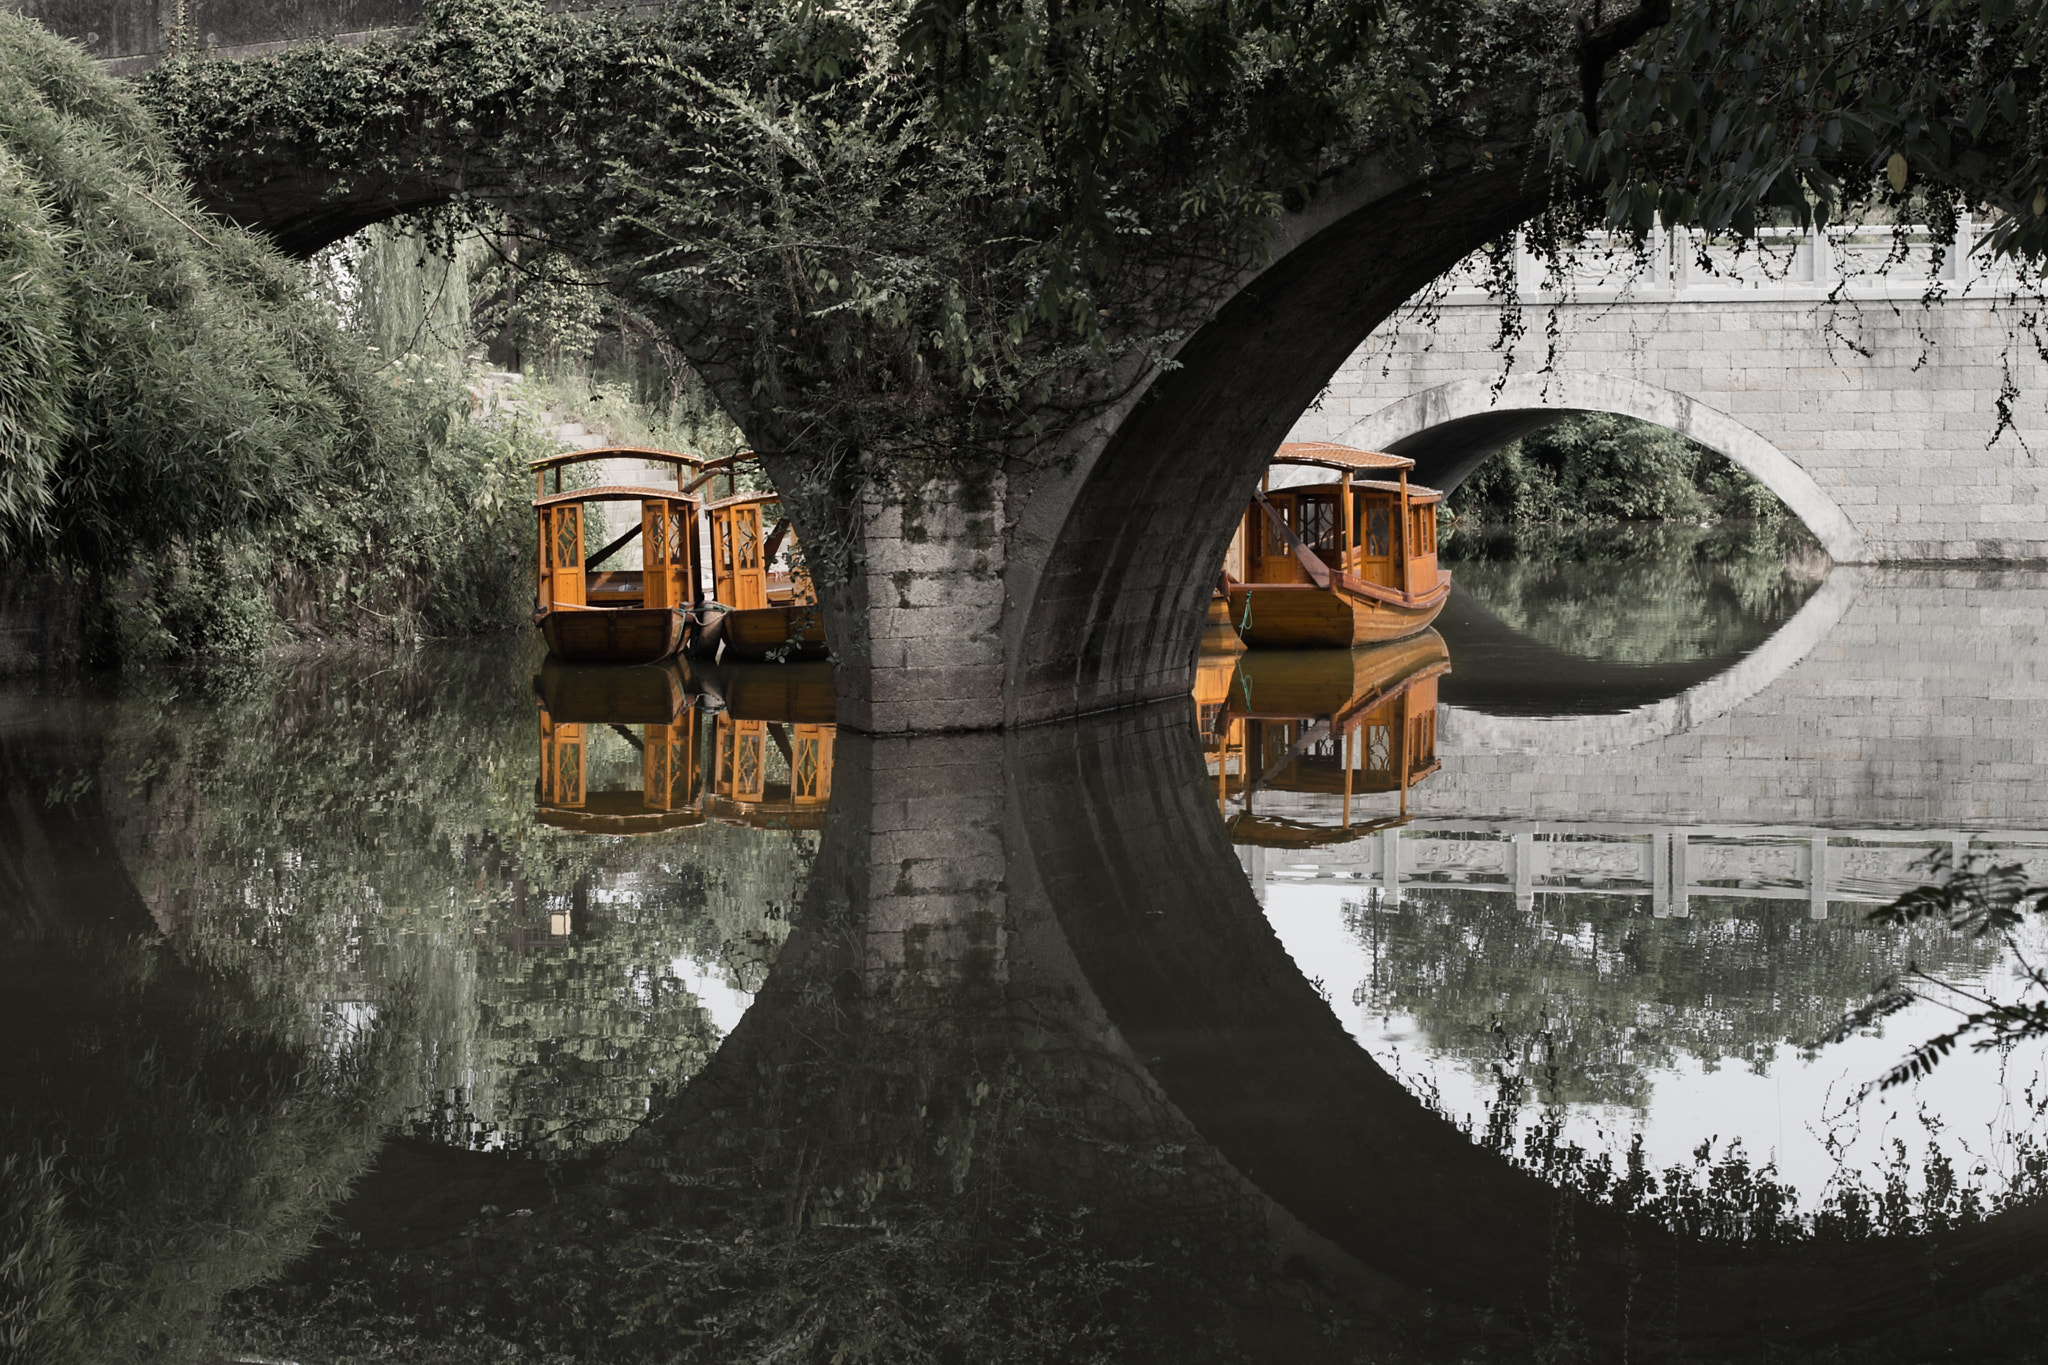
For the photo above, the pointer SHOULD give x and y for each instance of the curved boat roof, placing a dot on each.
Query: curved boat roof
(616, 492)
(741, 499)
(1346, 459)
(618, 453)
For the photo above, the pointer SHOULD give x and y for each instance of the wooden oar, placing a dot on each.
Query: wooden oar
(608, 551)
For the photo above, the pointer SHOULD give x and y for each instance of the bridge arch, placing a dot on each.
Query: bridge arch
(1451, 429)
(1110, 565)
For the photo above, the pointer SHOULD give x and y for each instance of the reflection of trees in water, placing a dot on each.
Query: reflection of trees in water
(1641, 593)
(363, 838)
(170, 1133)
(915, 1170)
(1590, 995)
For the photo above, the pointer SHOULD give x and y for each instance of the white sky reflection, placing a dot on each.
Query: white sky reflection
(1783, 1114)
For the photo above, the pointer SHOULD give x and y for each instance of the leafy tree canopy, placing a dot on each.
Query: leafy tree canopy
(162, 374)
(944, 228)
(1736, 110)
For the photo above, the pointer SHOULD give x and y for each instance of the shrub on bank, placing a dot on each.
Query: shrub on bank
(189, 429)
(432, 539)
(1598, 468)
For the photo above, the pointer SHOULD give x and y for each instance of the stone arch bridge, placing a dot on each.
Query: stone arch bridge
(1076, 580)
(1865, 397)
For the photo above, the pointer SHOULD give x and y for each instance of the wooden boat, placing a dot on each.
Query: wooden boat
(798, 693)
(762, 605)
(577, 700)
(617, 616)
(1349, 724)
(1336, 564)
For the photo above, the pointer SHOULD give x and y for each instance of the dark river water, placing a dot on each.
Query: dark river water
(1468, 998)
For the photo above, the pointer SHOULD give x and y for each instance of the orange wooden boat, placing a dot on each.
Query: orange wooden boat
(762, 605)
(619, 616)
(748, 744)
(1332, 565)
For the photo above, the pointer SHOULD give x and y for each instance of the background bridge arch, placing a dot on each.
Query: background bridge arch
(1449, 431)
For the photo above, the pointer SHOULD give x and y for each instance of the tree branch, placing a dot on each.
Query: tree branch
(1598, 46)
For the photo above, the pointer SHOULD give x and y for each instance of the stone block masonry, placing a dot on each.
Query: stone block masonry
(1872, 415)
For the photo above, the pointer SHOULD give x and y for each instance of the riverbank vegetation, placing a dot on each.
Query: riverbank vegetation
(1598, 469)
(194, 441)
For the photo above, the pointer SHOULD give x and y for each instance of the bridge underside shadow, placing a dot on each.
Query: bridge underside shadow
(1447, 455)
(1115, 601)
(1451, 429)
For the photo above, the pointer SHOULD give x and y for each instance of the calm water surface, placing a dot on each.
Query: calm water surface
(453, 1006)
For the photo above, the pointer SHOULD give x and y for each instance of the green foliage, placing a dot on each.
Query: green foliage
(173, 378)
(406, 291)
(1726, 1197)
(1594, 996)
(549, 310)
(1243, 102)
(1984, 899)
(424, 538)
(187, 423)
(1737, 110)
(1599, 468)
(682, 415)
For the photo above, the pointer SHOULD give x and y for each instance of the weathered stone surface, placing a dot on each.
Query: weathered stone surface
(1872, 416)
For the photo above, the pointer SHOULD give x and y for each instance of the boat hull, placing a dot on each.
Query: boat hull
(1219, 636)
(1303, 616)
(613, 635)
(793, 694)
(783, 633)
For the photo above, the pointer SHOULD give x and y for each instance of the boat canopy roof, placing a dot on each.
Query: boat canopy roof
(1417, 493)
(616, 492)
(1345, 459)
(742, 499)
(568, 457)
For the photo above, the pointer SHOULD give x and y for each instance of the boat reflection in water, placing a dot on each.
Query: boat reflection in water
(742, 745)
(1304, 745)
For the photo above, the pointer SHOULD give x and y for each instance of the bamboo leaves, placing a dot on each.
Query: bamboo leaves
(168, 376)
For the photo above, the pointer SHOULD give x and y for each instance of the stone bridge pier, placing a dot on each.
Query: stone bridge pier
(1077, 580)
